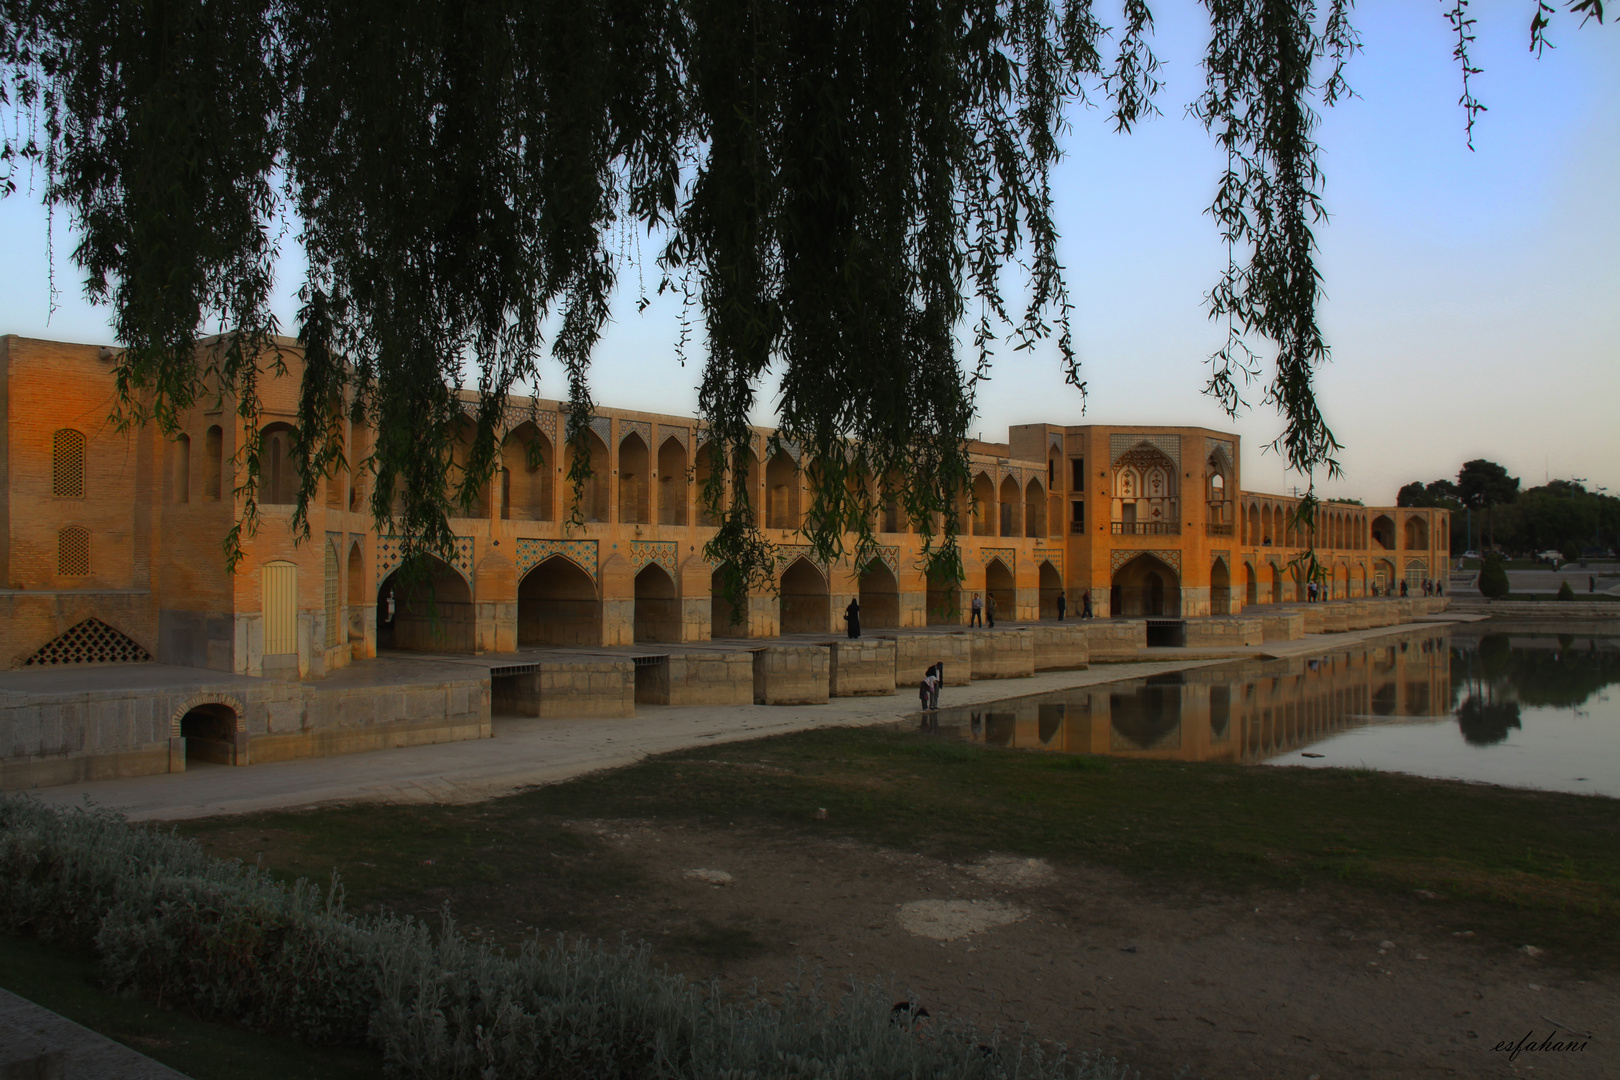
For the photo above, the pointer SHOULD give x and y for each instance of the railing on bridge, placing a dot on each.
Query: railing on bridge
(1147, 528)
(1215, 528)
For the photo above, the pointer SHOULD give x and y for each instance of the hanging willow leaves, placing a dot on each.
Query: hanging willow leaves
(840, 186)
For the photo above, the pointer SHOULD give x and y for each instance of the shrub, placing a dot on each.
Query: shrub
(170, 922)
(1570, 552)
(1565, 592)
(1493, 581)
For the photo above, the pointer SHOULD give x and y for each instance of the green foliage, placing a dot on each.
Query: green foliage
(1570, 552)
(1565, 592)
(1493, 580)
(223, 939)
(838, 187)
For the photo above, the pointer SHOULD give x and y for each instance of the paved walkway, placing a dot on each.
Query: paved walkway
(527, 752)
(37, 1043)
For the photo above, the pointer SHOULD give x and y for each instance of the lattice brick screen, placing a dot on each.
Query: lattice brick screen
(67, 464)
(73, 552)
(332, 626)
(90, 642)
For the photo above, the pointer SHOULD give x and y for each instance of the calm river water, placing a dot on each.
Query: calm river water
(1522, 709)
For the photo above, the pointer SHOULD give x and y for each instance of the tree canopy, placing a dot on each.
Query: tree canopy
(839, 188)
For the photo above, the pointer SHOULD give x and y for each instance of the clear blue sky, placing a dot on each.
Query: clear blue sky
(1472, 296)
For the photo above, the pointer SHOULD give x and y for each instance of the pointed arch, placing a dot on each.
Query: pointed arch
(1001, 585)
(879, 596)
(1145, 586)
(1220, 588)
(806, 603)
(658, 607)
(781, 492)
(634, 465)
(558, 604)
(527, 468)
(431, 611)
(985, 514)
(672, 482)
(1051, 589)
(1034, 509)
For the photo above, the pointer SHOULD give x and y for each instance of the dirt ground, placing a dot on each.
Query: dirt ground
(1313, 985)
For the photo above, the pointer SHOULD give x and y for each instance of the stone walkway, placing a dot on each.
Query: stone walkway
(527, 752)
(37, 1043)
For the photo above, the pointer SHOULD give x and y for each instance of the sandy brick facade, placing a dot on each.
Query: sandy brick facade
(1146, 521)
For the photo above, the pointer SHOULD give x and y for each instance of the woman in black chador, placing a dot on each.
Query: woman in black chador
(852, 615)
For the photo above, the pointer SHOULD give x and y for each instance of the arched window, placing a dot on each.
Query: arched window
(73, 552)
(67, 464)
(213, 462)
(278, 468)
(182, 468)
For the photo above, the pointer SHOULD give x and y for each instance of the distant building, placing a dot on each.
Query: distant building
(112, 545)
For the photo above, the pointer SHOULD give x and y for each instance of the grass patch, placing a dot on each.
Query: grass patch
(1520, 866)
(66, 983)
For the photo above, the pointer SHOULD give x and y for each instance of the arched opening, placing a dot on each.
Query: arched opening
(1417, 533)
(1051, 589)
(707, 465)
(1220, 589)
(1251, 587)
(1011, 525)
(430, 610)
(944, 601)
(1254, 524)
(466, 498)
(1002, 587)
(658, 609)
(1416, 571)
(210, 734)
(1145, 587)
(213, 461)
(984, 506)
(1341, 582)
(781, 492)
(182, 468)
(633, 458)
(357, 594)
(278, 468)
(672, 482)
(880, 597)
(806, 605)
(1146, 499)
(356, 465)
(1034, 510)
(593, 498)
(720, 609)
(1276, 585)
(892, 520)
(558, 605)
(526, 474)
(1383, 576)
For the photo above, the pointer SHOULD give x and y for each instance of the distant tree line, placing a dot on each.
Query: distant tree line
(1560, 515)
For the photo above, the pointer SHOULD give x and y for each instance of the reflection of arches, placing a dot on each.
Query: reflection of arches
(658, 610)
(1251, 587)
(1220, 589)
(1417, 533)
(1147, 718)
(210, 733)
(880, 597)
(1048, 720)
(425, 613)
(1145, 586)
(633, 480)
(672, 482)
(1051, 589)
(558, 605)
(806, 606)
(1000, 585)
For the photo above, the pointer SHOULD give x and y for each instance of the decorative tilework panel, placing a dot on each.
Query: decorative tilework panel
(640, 427)
(1223, 446)
(1006, 555)
(662, 552)
(1055, 439)
(1119, 444)
(1051, 555)
(390, 552)
(681, 434)
(786, 553)
(888, 555)
(603, 427)
(531, 552)
(1169, 557)
(793, 450)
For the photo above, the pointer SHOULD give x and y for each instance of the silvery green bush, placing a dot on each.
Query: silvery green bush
(175, 925)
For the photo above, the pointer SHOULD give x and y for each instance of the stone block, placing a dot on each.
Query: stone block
(1283, 626)
(914, 654)
(1061, 647)
(861, 667)
(586, 688)
(1315, 621)
(1114, 639)
(791, 674)
(709, 678)
(1335, 619)
(1225, 631)
(1003, 654)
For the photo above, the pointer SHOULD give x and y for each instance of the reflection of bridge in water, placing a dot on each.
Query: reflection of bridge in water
(1248, 711)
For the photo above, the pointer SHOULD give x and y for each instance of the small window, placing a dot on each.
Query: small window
(182, 468)
(1077, 469)
(73, 552)
(213, 450)
(1051, 473)
(1077, 517)
(67, 464)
